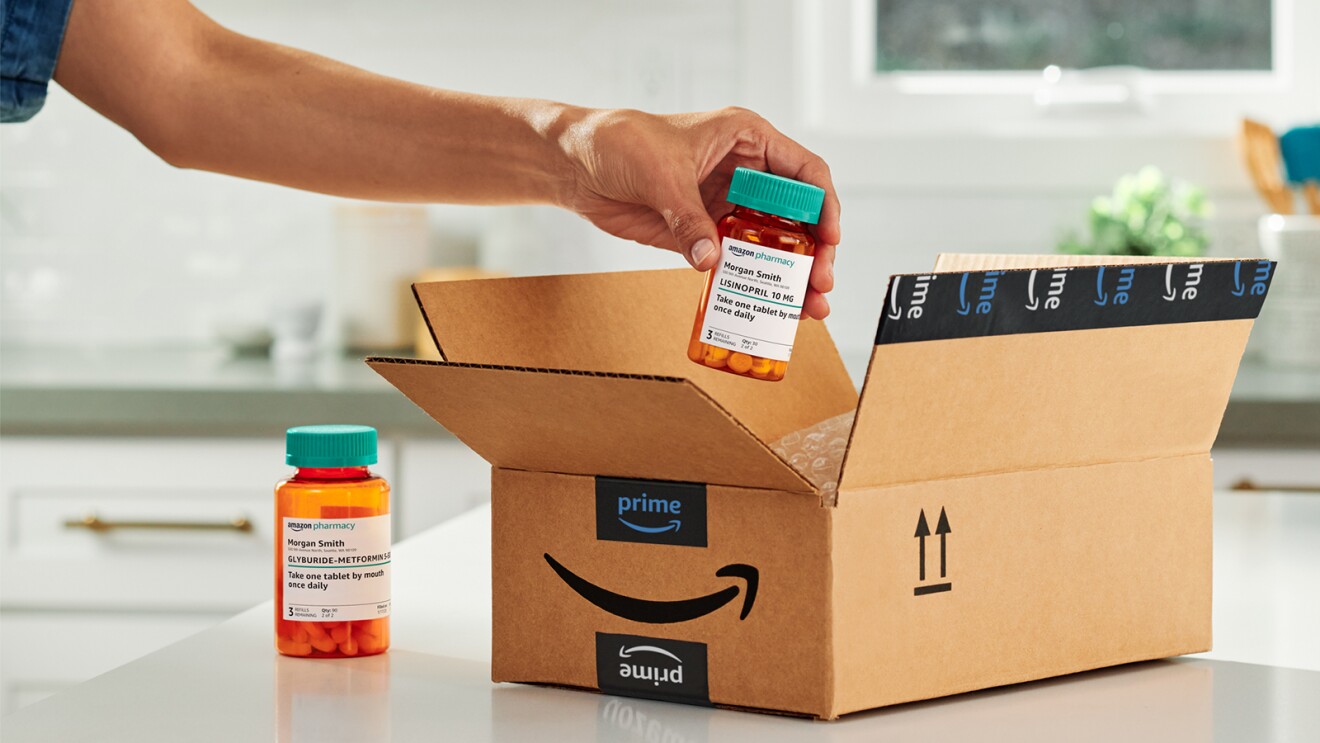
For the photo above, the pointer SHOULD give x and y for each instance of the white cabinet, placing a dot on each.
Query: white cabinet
(114, 547)
(136, 524)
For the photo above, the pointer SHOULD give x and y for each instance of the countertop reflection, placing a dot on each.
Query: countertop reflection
(227, 685)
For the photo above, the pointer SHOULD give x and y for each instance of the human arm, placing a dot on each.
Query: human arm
(201, 96)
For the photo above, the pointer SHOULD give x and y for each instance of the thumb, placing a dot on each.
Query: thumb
(693, 230)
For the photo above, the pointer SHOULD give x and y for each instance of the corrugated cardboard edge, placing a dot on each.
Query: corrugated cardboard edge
(956, 262)
(427, 319)
(807, 487)
(852, 432)
(831, 644)
(506, 367)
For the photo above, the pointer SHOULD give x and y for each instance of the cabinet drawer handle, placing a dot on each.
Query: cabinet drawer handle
(93, 522)
(1248, 485)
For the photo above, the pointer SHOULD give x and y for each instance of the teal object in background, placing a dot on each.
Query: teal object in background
(330, 446)
(1300, 148)
(776, 195)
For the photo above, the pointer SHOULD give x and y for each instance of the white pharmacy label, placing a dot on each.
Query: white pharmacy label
(756, 299)
(336, 570)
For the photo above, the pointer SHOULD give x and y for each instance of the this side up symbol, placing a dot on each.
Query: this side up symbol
(942, 530)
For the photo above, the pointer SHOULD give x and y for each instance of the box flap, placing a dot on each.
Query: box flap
(631, 322)
(1005, 370)
(660, 428)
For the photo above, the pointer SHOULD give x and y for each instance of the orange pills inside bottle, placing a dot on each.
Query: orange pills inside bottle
(332, 546)
(748, 316)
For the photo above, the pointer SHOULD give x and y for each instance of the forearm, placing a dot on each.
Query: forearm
(203, 97)
(218, 101)
(276, 114)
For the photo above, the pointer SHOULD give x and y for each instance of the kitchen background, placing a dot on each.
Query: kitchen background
(124, 283)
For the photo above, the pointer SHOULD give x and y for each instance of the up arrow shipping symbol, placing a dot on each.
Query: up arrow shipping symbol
(942, 530)
(923, 531)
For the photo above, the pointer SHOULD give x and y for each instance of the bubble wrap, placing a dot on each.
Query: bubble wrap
(817, 451)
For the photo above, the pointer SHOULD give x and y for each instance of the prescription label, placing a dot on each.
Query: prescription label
(756, 299)
(336, 570)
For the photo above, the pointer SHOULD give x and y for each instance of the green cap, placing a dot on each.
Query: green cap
(776, 195)
(330, 446)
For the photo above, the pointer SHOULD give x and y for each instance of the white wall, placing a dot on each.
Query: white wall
(100, 243)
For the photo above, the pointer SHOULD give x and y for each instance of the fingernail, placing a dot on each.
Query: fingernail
(702, 250)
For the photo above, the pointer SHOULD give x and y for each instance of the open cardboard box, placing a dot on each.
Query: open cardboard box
(1025, 491)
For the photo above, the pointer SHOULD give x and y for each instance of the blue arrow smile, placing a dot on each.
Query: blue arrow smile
(963, 307)
(671, 526)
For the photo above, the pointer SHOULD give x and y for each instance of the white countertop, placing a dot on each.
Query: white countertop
(199, 392)
(228, 684)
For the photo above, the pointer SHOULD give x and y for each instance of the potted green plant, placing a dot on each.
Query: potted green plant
(1147, 214)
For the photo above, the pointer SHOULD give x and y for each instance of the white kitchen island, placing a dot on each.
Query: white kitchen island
(228, 684)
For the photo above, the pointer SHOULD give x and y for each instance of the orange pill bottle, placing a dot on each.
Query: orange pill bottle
(332, 546)
(748, 316)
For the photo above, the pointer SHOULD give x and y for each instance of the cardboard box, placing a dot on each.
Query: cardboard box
(1025, 491)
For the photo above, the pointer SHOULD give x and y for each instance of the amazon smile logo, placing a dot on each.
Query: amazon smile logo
(973, 304)
(644, 504)
(1053, 291)
(984, 296)
(651, 611)
(653, 667)
(1252, 282)
(1190, 286)
(916, 305)
(651, 512)
(655, 673)
(1120, 293)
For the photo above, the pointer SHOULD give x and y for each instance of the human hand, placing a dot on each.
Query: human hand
(662, 181)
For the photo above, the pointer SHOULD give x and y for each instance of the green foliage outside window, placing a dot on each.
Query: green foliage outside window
(1147, 214)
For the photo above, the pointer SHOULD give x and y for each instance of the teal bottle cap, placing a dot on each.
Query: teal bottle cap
(330, 446)
(776, 195)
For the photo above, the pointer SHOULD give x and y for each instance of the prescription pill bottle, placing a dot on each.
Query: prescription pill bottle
(332, 546)
(749, 310)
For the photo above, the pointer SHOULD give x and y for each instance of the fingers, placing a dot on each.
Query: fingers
(816, 305)
(822, 269)
(791, 160)
(785, 157)
(693, 229)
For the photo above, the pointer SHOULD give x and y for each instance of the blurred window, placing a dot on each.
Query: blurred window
(1056, 68)
(1007, 35)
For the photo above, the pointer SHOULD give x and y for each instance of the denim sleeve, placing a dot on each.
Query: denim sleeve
(30, 35)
